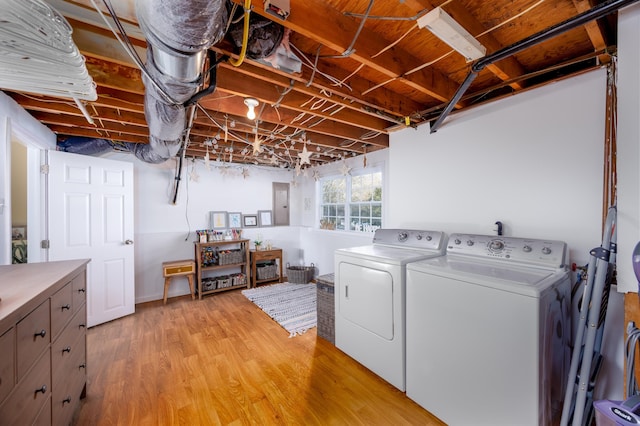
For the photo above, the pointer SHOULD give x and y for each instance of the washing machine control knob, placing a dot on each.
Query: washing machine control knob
(457, 241)
(526, 249)
(429, 238)
(496, 245)
(546, 250)
(469, 243)
(419, 237)
(402, 237)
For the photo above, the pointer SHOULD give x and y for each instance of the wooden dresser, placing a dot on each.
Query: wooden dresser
(43, 317)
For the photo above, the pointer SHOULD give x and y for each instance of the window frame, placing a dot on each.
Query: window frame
(346, 205)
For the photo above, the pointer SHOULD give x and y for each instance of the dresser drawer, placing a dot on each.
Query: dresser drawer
(7, 369)
(68, 350)
(30, 395)
(61, 309)
(66, 392)
(79, 287)
(44, 418)
(33, 337)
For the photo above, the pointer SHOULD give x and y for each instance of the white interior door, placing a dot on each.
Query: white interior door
(91, 216)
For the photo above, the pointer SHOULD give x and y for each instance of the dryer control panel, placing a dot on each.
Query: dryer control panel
(547, 253)
(410, 238)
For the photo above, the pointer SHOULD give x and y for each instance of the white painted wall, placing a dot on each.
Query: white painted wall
(532, 161)
(166, 231)
(628, 144)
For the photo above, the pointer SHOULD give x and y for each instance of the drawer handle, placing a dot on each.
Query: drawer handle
(67, 400)
(67, 349)
(81, 290)
(43, 389)
(83, 365)
(67, 306)
(41, 334)
(81, 326)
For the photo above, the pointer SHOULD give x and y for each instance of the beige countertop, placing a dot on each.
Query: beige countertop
(23, 284)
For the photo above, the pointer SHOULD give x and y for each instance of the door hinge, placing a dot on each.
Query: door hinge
(44, 169)
(44, 244)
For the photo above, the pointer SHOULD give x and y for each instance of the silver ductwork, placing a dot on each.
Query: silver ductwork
(178, 34)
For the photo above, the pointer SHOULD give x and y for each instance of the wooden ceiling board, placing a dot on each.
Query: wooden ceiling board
(396, 70)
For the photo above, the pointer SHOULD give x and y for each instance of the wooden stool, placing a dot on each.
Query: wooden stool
(178, 268)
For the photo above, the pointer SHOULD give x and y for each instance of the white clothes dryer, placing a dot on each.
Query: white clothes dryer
(370, 301)
(489, 331)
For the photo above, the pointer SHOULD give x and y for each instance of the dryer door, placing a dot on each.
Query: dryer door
(366, 298)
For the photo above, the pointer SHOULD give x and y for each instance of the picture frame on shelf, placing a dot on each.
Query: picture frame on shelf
(19, 233)
(235, 220)
(250, 221)
(265, 218)
(218, 220)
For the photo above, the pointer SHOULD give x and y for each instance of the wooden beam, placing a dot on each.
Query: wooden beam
(593, 30)
(233, 82)
(319, 21)
(382, 100)
(506, 69)
(234, 105)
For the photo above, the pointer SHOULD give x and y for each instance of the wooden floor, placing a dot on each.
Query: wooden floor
(222, 361)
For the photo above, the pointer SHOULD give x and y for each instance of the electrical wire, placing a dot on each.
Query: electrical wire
(186, 206)
(124, 40)
(402, 37)
(245, 35)
(309, 64)
(633, 335)
(349, 50)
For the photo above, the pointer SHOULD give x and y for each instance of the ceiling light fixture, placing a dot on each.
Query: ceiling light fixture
(251, 104)
(443, 26)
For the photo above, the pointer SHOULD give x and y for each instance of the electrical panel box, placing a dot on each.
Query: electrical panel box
(278, 8)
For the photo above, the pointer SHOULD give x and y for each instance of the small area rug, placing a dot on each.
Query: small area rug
(293, 306)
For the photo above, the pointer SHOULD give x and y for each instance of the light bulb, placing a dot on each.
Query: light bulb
(251, 104)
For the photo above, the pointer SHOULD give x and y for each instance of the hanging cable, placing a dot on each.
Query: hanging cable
(633, 335)
(245, 35)
(124, 40)
(349, 50)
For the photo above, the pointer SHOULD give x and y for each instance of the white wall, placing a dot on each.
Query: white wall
(166, 231)
(628, 144)
(532, 161)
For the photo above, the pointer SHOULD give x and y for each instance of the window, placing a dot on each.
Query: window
(352, 203)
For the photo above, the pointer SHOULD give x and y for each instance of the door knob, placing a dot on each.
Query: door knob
(128, 242)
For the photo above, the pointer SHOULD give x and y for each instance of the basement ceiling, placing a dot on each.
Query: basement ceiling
(367, 70)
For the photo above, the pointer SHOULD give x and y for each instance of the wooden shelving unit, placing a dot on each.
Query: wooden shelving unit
(208, 267)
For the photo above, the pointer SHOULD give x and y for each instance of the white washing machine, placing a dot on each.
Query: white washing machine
(369, 286)
(489, 331)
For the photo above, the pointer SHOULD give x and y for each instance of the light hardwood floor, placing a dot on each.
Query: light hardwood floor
(222, 361)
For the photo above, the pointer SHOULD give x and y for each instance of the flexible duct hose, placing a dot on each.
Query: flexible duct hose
(245, 35)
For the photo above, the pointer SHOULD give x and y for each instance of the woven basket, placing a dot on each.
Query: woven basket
(239, 279)
(325, 307)
(267, 272)
(209, 284)
(230, 257)
(300, 274)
